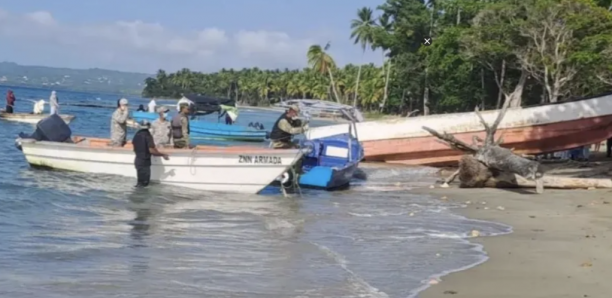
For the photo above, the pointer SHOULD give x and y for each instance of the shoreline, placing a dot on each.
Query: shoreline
(557, 247)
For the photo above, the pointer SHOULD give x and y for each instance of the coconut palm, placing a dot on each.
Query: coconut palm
(321, 62)
(362, 35)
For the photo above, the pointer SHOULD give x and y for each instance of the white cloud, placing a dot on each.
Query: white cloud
(140, 46)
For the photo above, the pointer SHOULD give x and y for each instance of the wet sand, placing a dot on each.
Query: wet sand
(561, 245)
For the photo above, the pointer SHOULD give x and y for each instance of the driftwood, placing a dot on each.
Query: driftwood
(472, 173)
(489, 165)
(490, 162)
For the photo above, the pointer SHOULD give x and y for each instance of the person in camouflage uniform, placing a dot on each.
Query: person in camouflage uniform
(180, 127)
(161, 129)
(285, 128)
(119, 124)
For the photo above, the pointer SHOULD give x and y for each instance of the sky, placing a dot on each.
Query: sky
(204, 35)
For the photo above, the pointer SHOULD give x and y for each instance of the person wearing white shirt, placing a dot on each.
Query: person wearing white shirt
(53, 103)
(39, 107)
(152, 106)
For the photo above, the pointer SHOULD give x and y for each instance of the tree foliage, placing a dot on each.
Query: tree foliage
(480, 50)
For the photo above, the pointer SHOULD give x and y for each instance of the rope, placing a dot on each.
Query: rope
(191, 161)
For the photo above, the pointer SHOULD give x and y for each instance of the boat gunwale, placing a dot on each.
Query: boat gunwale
(86, 143)
(6, 115)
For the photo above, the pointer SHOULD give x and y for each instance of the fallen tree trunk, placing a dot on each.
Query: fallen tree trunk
(489, 159)
(474, 174)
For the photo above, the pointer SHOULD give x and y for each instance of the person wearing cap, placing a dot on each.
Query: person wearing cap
(180, 127)
(285, 128)
(161, 128)
(144, 148)
(119, 124)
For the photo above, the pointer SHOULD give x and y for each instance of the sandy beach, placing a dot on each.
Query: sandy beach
(560, 246)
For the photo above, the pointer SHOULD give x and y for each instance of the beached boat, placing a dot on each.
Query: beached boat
(321, 108)
(212, 130)
(535, 130)
(331, 162)
(30, 118)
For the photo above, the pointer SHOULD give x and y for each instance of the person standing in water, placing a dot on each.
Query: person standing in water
(10, 101)
(180, 127)
(53, 103)
(144, 148)
(119, 124)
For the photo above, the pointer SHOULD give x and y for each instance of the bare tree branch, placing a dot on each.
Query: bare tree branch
(452, 141)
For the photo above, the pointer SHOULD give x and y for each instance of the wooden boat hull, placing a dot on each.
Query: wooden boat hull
(31, 118)
(221, 169)
(536, 130)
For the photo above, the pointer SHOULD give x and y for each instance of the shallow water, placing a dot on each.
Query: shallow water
(78, 235)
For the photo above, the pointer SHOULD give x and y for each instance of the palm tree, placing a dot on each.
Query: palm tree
(322, 62)
(362, 34)
(385, 25)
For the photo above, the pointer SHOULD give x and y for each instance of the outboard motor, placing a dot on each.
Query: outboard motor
(51, 129)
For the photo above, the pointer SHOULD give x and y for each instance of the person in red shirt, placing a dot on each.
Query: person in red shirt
(10, 101)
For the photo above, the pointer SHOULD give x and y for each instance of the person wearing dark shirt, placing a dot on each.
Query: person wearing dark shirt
(285, 128)
(10, 101)
(144, 147)
(141, 108)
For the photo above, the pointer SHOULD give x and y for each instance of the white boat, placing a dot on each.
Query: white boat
(530, 130)
(30, 118)
(222, 169)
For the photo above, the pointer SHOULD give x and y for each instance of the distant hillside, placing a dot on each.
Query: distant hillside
(90, 80)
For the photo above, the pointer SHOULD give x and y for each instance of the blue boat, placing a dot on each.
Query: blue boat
(215, 131)
(331, 162)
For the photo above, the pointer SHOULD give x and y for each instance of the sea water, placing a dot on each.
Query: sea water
(82, 235)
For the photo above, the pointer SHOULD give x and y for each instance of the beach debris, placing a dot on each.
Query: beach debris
(437, 255)
(484, 203)
(486, 208)
(606, 202)
(444, 198)
(411, 214)
(579, 206)
(432, 186)
(486, 164)
(450, 292)
(486, 160)
(501, 208)
(475, 233)
(468, 202)
(532, 216)
(587, 264)
(434, 282)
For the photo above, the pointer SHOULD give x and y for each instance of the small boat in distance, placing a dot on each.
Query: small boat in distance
(533, 130)
(31, 118)
(322, 109)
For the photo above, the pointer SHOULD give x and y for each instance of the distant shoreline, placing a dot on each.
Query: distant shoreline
(63, 89)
